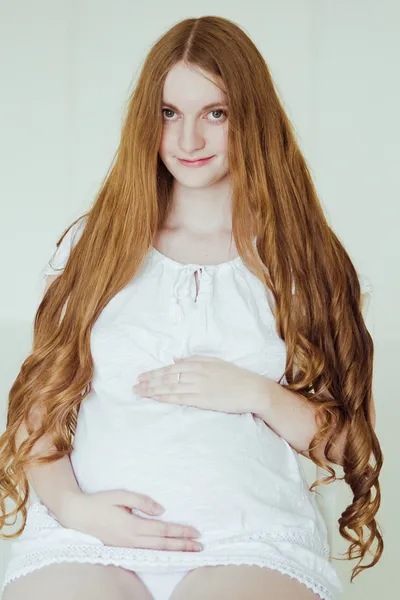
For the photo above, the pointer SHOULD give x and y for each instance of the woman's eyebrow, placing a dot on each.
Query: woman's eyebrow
(206, 107)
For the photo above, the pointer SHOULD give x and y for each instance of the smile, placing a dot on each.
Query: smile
(195, 163)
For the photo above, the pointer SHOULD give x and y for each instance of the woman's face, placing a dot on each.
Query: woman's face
(192, 128)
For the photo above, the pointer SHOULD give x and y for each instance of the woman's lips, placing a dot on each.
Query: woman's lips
(195, 163)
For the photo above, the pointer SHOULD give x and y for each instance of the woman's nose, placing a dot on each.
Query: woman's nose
(191, 139)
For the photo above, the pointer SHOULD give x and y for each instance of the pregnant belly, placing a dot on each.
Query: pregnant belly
(212, 470)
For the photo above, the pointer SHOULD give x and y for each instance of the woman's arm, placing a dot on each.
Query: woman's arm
(292, 417)
(54, 483)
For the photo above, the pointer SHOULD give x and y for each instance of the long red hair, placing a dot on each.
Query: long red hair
(273, 197)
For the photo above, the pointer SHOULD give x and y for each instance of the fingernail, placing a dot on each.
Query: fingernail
(159, 509)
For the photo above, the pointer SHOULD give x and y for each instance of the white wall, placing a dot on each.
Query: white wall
(66, 71)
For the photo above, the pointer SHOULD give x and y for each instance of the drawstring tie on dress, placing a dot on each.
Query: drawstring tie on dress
(184, 296)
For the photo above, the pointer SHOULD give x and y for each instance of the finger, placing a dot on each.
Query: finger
(165, 373)
(147, 390)
(141, 502)
(171, 378)
(132, 501)
(170, 389)
(160, 543)
(182, 399)
(157, 528)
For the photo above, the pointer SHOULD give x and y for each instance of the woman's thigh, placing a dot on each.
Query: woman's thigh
(240, 582)
(77, 581)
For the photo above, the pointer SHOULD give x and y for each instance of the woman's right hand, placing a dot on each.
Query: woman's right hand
(107, 516)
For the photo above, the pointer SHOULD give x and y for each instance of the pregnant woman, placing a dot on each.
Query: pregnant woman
(201, 327)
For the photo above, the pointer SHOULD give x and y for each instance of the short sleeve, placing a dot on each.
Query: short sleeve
(60, 257)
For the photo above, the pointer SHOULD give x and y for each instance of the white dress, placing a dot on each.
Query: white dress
(228, 475)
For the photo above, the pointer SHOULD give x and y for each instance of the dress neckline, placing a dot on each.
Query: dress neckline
(178, 265)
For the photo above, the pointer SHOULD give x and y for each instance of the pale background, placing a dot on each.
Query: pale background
(67, 68)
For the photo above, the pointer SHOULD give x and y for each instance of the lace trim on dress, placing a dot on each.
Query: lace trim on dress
(310, 541)
(121, 557)
(40, 519)
(300, 538)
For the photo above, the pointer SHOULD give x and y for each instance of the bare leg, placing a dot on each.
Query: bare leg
(77, 581)
(240, 583)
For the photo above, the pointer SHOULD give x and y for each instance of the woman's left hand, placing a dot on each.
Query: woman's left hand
(206, 382)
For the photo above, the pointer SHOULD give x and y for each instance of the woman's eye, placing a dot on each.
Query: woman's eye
(219, 110)
(169, 110)
(164, 110)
